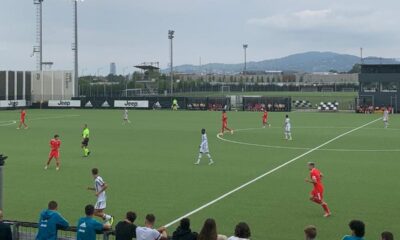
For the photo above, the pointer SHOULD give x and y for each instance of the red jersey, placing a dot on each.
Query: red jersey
(224, 117)
(23, 114)
(265, 116)
(55, 145)
(315, 175)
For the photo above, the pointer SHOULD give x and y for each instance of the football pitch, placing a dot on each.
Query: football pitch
(258, 177)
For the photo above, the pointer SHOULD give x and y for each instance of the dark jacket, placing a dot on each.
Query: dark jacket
(181, 234)
(49, 222)
(5, 231)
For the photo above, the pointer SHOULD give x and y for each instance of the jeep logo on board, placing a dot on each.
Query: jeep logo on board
(64, 103)
(131, 104)
(13, 104)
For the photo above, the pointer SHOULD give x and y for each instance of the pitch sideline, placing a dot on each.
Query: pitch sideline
(267, 173)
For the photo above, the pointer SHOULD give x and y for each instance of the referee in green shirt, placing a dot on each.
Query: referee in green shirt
(85, 141)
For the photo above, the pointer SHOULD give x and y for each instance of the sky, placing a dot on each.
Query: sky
(129, 32)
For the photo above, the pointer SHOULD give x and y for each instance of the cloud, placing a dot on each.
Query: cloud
(328, 20)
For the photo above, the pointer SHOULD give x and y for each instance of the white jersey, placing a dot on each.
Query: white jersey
(126, 114)
(144, 233)
(98, 185)
(288, 126)
(204, 144)
(386, 115)
(237, 238)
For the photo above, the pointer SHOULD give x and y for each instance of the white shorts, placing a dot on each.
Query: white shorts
(100, 205)
(204, 149)
(287, 129)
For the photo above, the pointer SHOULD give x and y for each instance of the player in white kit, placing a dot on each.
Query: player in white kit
(288, 128)
(126, 117)
(204, 148)
(100, 191)
(386, 117)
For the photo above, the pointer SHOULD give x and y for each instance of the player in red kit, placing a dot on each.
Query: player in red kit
(265, 119)
(22, 119)
(317, 194)
(55, 144)
(225, 123)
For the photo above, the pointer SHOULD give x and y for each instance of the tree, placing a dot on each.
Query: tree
(356, 68)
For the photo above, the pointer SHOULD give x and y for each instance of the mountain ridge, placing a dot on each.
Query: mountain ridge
(313, 61)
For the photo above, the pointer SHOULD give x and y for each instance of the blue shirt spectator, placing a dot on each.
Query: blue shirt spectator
(357, 228)
(50, 220)
(88, 227)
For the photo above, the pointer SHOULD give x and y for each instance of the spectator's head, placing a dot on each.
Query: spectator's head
(131, 216)
(242, 230)
(209, 230)
(358, 228)
(310, 232)
(52, 205)
(185, 224)
(311, 165)
(89, 210)
(95, 172)
(384, 235)
(150, 220)
(56, 136)
(203, 131)
(1, 215)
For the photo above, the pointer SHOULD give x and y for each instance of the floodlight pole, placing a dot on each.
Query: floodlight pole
(126, 81)
(75, 48)
(171, 37)
(39, 34)
(245, 58)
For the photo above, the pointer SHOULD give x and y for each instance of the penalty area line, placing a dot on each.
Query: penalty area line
(267, 173)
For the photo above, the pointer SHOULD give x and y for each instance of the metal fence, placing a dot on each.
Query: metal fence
(28, 231)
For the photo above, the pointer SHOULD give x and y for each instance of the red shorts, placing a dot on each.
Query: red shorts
(317, 194)
(224, 124)
(22, 120)
(54, 154)
(264, 120)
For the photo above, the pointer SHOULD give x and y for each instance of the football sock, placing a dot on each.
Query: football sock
(209, 157)
(325, 207)
(199, 158)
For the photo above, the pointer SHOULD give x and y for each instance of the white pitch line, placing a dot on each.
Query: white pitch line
(55, 117)
(300, 148)
(7, 123)
(267, 173)
(11, 122)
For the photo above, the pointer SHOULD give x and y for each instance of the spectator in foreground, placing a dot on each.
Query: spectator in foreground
(126, 230)
(49, 222)
(310, 232)
(387, 236)
(209, 231)
(242, 232)
(358, 230)
(148, 232)
(183, 232)
(5, 229)
(88, 226)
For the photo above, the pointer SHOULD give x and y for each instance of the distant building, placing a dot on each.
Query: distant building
(113, 68)
(379, 85)
(36, 86)
(327, 78)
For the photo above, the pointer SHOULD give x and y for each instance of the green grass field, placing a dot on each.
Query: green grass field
(149, 168)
